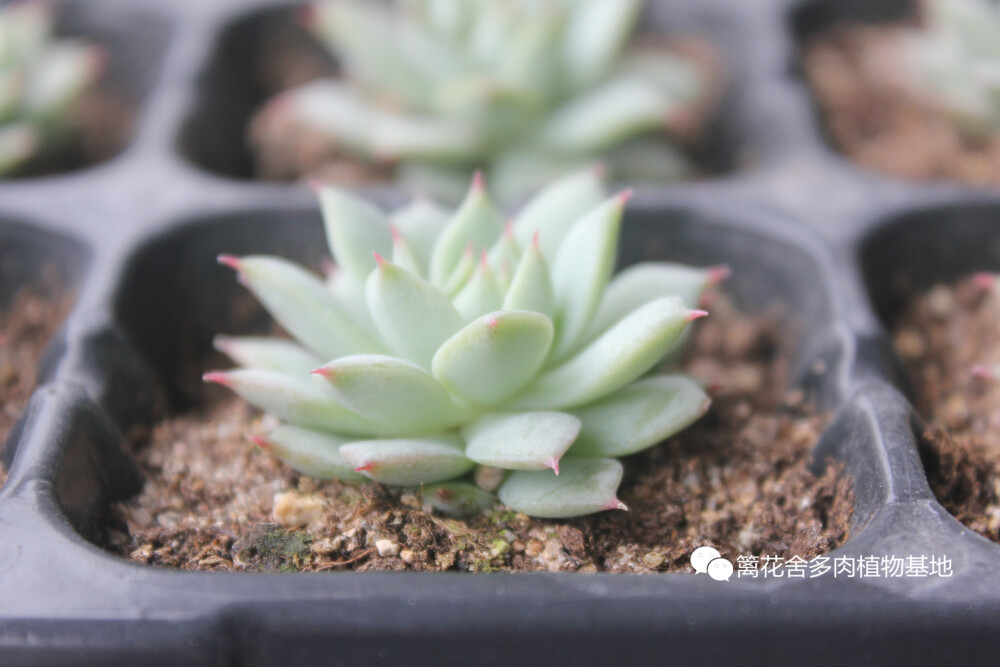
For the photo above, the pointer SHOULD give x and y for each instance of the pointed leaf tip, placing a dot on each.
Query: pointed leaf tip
(615, 504)
(554, 464)
(365, 467)
(261, 442)
(218, 377)
(717, 274)
(232, 261)
(982, 371)
(984, 280)
(379, 259)
(478, 180)
(624, 196)
(323, 372)
(696, 314)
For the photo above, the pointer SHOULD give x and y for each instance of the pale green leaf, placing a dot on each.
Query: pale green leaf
(639, 415)
(595, 36)
(477, 222)
(354, 229)
(531, 285)
(582, 268)
(295, 400)
(268, 354)
(458, 499)
(641, 283)
(408, 462)
(302, 304)
(480, 295)
(617, 357)
(521, 440)
(553, 211)
(399, 396)
(412, 316)
(420, 223)
(310, 452)
(583, 486)
(494, 356)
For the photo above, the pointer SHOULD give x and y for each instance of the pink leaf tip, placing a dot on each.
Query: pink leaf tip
(982, 371)
(717, 274)
(554, 464)
(397, 238)
(365, 467)
(315, 184)
(984, 280)
(232, 261)
(624, 196)
(218, 377)
(536, 239)
(478, 180)
(696, 314)
(379, 259)
(484, 261)
(615, 504)
(600, 171)
(492, 323)
(323, 372)
(263, 443)
(306, 17)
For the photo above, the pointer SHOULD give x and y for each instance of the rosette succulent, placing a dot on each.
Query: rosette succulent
(41, 79)
(952, 61)
(446, 341)
(525, 89)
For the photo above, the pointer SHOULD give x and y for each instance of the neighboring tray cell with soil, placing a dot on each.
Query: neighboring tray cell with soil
(873, 82)
(942, 335)
(272, 51)
(737, 480)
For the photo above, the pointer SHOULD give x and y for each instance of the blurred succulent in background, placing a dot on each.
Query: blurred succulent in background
(41, 79)
(952, 62)
(457, 340)
(525, 89)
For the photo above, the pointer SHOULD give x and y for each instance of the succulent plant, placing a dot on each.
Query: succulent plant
(526, 89)
(526, 361)
(41, 79)
(952, 62)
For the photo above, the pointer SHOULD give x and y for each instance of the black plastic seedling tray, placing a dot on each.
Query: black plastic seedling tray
(136, 237)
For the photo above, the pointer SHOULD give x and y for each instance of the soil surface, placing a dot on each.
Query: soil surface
(26, 325)
(942, 335)
(871, 116)
(736, 480)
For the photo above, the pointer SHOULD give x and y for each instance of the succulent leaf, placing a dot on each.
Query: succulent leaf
(638, 416)
(555, 209)
(582, 269)
(41, 81)
(412, 316)
(641, 283)
(477, 223)
(268, 354)
(458, 499)
(295, 400)
(310, 452)
(525, 89)
(617, 357)
(355, 229)
(531, 286)
(420, 223)
(408, 462)
(521, 440)
(399, 396)
(494, 356)
(303, 305)
(583, 486)
(473, 374)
